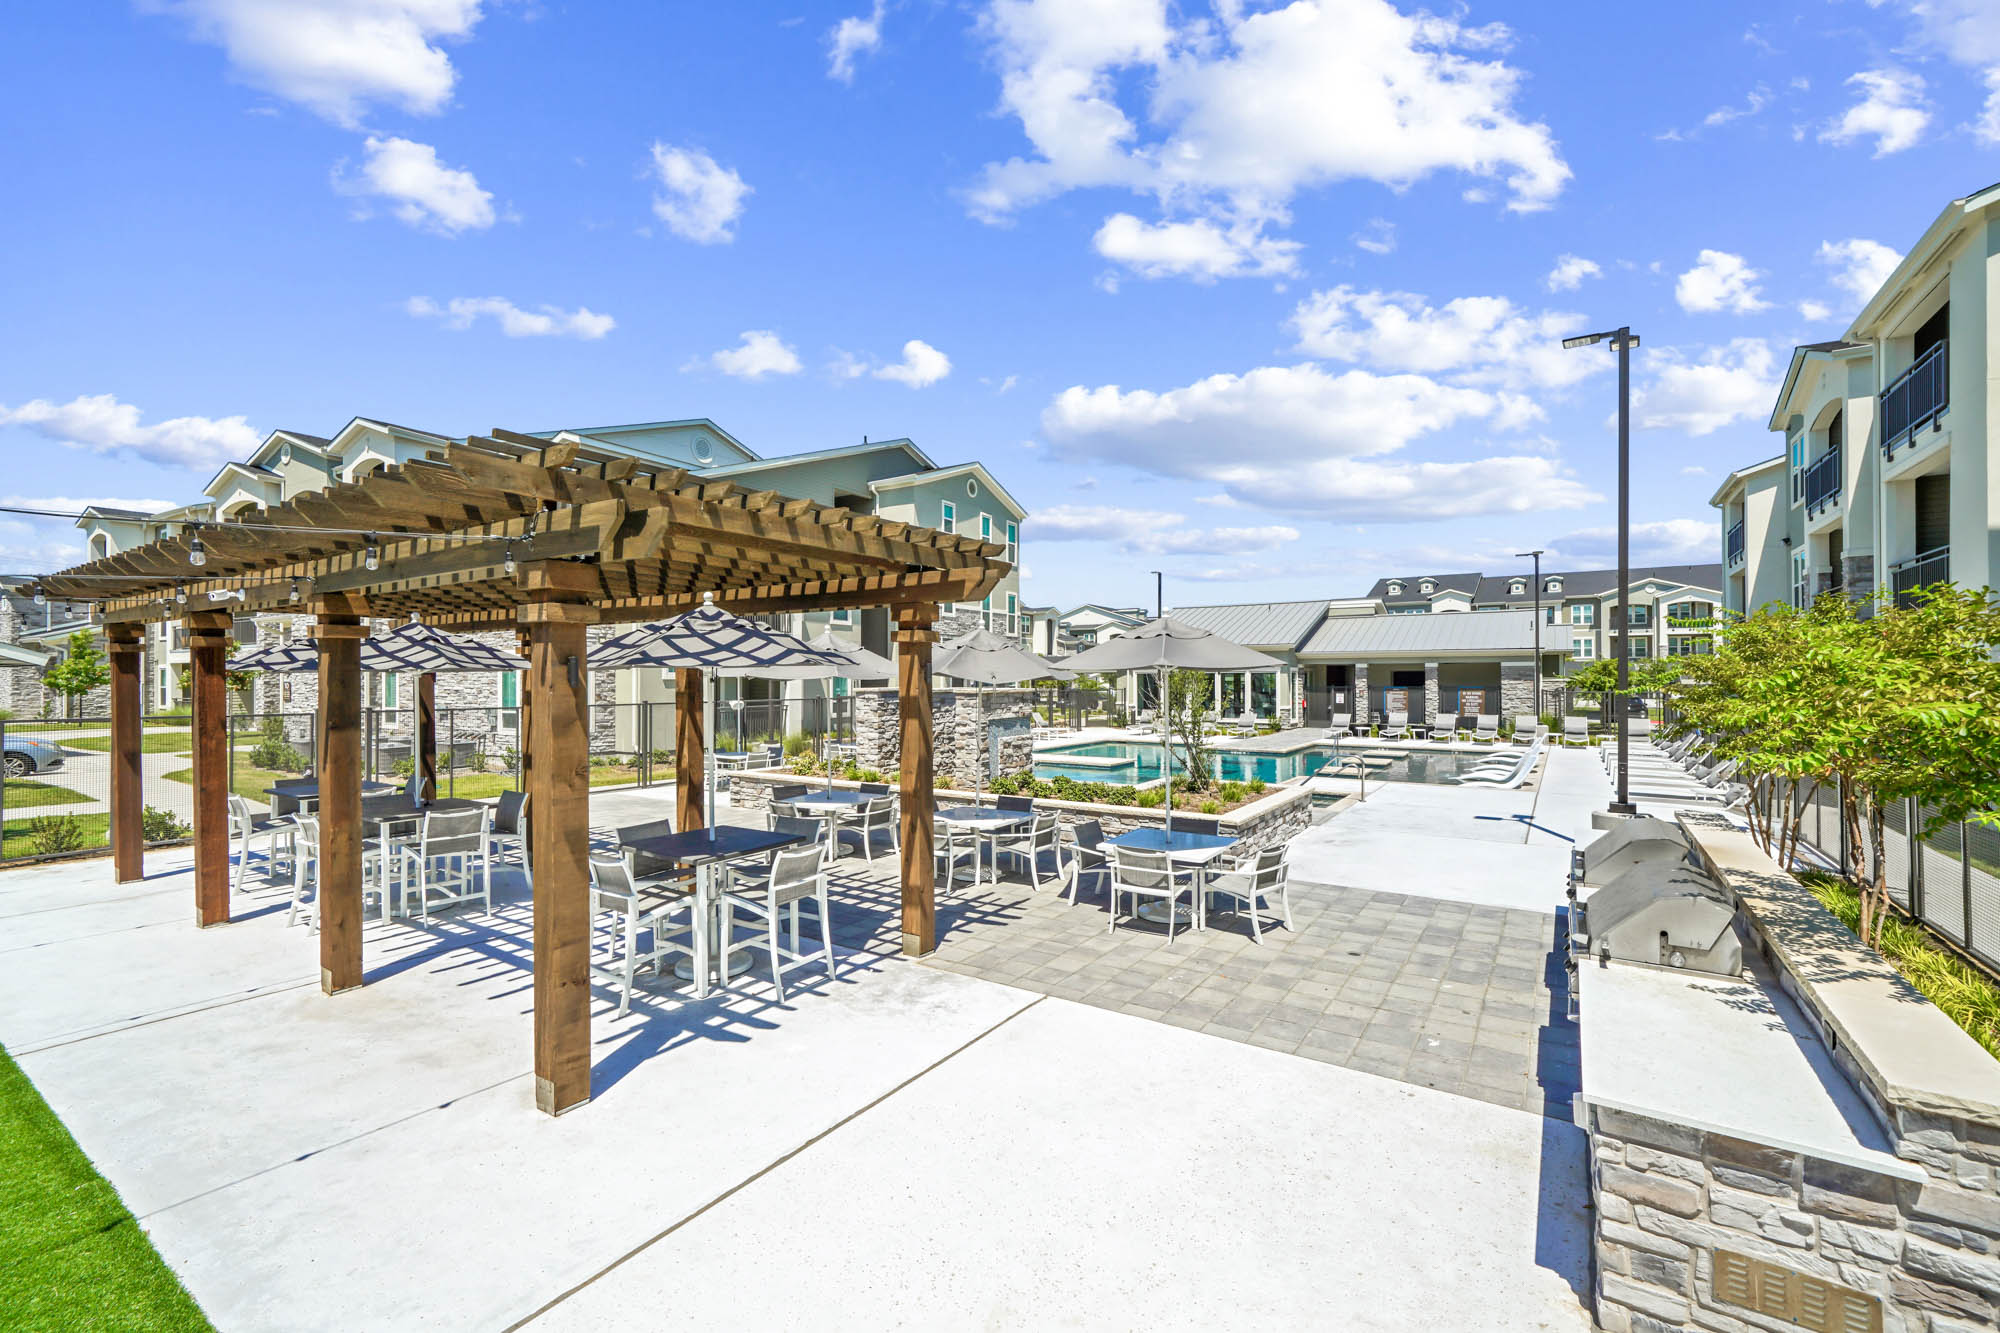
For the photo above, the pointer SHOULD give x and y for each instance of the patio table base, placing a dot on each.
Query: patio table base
(1157, 913)
(739, 963)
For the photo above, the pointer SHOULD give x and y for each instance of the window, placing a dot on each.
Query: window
(1013, 544)
(1553, 585)
(1427, 587)
(843, 616)
(1795, 449)
(1583, 650)
(1639, 617)
(389, 689)
(948, 519)
(1013, 613)
(986, 527)
(1549, 614)
(1801, 580)
(1583, 613)
(1640, 648)
(510, 699)
(1517, 587)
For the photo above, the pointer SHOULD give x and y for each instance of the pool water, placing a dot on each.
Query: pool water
(1121, 763)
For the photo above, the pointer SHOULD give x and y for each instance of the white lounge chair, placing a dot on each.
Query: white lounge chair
(1505, 777)
(1444, 727)
(1576, 730)
(1397, 727)
(1488, 730)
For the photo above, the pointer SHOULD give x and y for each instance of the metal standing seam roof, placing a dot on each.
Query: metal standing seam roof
(1498, 632)
(1256, 624)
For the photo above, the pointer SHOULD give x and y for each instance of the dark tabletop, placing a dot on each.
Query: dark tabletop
(1155, 840)
(375, 809)
(310, 787)
(725, 842)
(985, 814)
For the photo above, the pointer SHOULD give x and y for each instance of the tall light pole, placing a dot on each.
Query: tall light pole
(1537, 556)
(1624, 340)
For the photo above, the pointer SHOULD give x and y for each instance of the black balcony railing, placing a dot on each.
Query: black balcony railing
(1919, 571)
(1823, 481)
(1735, 543)
(1915, 399)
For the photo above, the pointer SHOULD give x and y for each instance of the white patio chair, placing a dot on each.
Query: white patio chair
(875, 815)
(1087, 854)
(797, 874)
(1397, 727)
(1042, 836)
(438, 866)
(613, 891)
(510, 829)
(1488, 730)
(954, 844)
(1137, 874)
(1576, 730)
(1261, 880)
(245, 827)
(1527, 728)
(305, 869)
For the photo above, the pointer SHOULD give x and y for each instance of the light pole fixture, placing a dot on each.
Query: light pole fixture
(1623, 340)
(1537, 557)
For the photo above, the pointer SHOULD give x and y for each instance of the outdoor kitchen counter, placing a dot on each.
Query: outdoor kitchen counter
(1723, 1056)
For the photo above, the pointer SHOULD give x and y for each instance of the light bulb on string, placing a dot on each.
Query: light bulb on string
(371, 558)
(197, 553)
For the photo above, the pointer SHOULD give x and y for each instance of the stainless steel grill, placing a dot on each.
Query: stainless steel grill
(1636, 896)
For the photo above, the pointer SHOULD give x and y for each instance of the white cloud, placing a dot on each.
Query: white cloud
(1815, 311)
(1570, 271)
(1968, 33)
(1757, 99)
(1670, 541)
(1299, 439)
(102, 424)
(1892, 111)
(1484, 340)
(761, 352)
(1378, 237)
(1201, 249)
(1151, 532)
(1727, 384)
(546, 322)
(1228, 116)
(1860, 266)
(70, 504)
(922, 365)
(426, 194)
(1720, 281)
(701, 200)
(851, 37)
(1694, 470)
(337, 57)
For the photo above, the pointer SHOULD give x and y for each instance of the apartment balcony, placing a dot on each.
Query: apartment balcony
(1915, 399)
(1822, 482)
(1919, 571)
(1734, 544)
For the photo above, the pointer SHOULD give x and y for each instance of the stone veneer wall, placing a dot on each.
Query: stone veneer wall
(1517, 688)
(958, 719)
(1667, 1196)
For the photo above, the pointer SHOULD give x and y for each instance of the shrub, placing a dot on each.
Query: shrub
(1257, 786)
(477, 761)
(1230, 792)
(1211, 807)
(157, 825)
(49, 834)
(404, 768)
(511, 757)
(798, 743)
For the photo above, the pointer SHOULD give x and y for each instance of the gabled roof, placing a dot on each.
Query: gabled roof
(1742, 474)
(1935, 237)
(1257, 624)
(1507, 633)
(1467, 583)
(1598, 582)
(1130, 615)
(601, 431)
(20, 655)
(946, 474)
(1800, 355)
(902, 446)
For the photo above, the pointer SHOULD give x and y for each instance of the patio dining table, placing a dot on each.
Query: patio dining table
(1196, 850)
(703, 851)
(293, 795)
(985, 819)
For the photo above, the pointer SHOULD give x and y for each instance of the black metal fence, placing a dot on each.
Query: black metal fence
(57, 793)
(1950, 881)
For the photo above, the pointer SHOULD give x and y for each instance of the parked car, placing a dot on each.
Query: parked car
(24, 756)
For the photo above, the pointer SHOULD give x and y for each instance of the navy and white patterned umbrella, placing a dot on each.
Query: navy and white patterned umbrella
(711, 639)
(409, 647)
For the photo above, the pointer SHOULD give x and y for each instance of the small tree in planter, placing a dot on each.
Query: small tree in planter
(1190, 701)
(82, 670)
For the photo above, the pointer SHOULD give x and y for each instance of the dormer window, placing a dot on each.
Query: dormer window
(1395, 588)
(1517, 587)
(1553, 585)
(1427, 587)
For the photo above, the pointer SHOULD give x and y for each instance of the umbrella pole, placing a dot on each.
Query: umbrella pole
(1167, 751)
(708, 749)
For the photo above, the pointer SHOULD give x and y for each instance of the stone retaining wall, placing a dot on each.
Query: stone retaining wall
(958, 728)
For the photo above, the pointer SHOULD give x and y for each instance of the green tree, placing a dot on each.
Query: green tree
(1190, 701)
(82, 670)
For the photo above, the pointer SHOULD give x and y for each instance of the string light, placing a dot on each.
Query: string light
(197, 553)
(508, 563)
(371, 558)
(295, 590)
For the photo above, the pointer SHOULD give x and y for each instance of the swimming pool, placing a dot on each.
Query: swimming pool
(1136, 764)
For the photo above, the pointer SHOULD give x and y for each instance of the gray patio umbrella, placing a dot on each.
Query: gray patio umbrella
(985, 658)
(409, 647)
(712, 640)
(1163, 645)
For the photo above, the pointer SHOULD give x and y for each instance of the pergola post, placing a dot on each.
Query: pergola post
(127, 649)
(339, 637)
(427, 732)
(689, 812)
(557, 761)
(914, 637)
(208, 654)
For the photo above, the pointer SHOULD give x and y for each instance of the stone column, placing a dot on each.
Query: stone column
(1430, 691)
(1517, 688)
(1360, 713)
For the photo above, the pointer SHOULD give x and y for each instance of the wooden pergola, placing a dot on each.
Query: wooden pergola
(510, 532)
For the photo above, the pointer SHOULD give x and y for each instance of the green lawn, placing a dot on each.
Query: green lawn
(255, 783)
(26, 793)
(17, 840)
(151, 742)
(71, 1255)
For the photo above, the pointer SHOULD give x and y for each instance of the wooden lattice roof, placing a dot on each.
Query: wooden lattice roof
(640, 541)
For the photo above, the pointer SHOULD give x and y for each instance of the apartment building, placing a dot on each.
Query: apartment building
(891, 478)
(1671, 609)
(1885, 483)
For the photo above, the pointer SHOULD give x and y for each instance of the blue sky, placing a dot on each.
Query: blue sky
(1265, 296)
